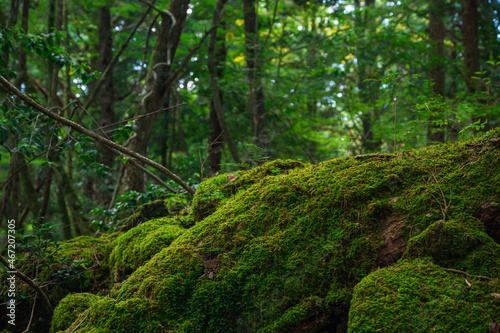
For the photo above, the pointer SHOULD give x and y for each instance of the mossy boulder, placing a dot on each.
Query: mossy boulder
(213, 191)
(283, 246)
(69, 308)
(110, 315)
(135, 247)
(419, 296)
(283, 251)
(460, 243)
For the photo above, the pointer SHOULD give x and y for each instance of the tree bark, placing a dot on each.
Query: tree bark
(14, 12)
(436, 69)
(218, 127)
(23, 71)
(157, 81)
(365, 71)
(106, 94)
(256, 92)
(470, 41)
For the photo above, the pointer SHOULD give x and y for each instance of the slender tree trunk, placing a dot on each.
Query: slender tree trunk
(50, 64)
(160, 65)
(256, 92)
(436, 69)
(215, 134)
(471, 40)
(29, 190)
(470, 37)
(14, 12)
(65, 221)
(46, 192)
(23, 71)
(365, 70)
(218, 128)
(106, 95)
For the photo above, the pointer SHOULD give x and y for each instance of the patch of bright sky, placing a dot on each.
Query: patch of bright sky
(330, 101)
(341, 66)
(349, 9)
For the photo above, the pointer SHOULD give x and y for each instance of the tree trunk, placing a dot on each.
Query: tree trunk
(256, 93)
(158, 79)
(23, 71)
(106, 95)
(365, 68)
(218, 128)
(14, 12)
(470, 40)
(436, 70)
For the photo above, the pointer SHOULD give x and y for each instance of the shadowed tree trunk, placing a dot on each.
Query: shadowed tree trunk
(106, 93)
(470, 41)
(436, 69)
(157, 84)
(256, 92)
(470, 37)
(215, 136)
(365, 68)
(218, 128)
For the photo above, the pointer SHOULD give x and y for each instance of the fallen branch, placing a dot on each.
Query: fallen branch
(467, 274)
(108, 143)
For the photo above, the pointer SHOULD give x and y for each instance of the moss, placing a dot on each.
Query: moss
(108, 315)
(135, 247)
(208, 196)
(69, 308)
(212, 192)
(283, 251)
(418, 296)
(460, 243)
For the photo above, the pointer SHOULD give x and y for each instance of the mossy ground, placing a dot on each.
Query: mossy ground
(280, 249)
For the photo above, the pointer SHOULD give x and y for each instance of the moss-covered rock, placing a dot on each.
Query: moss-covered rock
(135, 247)
(282, 247)
(213, 191)
(109, 315)
(69, 308)
(419, 296)
(460, 243)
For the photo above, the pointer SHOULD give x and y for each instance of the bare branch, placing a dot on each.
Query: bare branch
(106, 142)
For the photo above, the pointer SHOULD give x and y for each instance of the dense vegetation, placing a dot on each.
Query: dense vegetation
(135, 128)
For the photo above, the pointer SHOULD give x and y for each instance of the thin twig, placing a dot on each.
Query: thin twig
(467, 274)
(74, 329)
(443, 205)
(31, 316)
